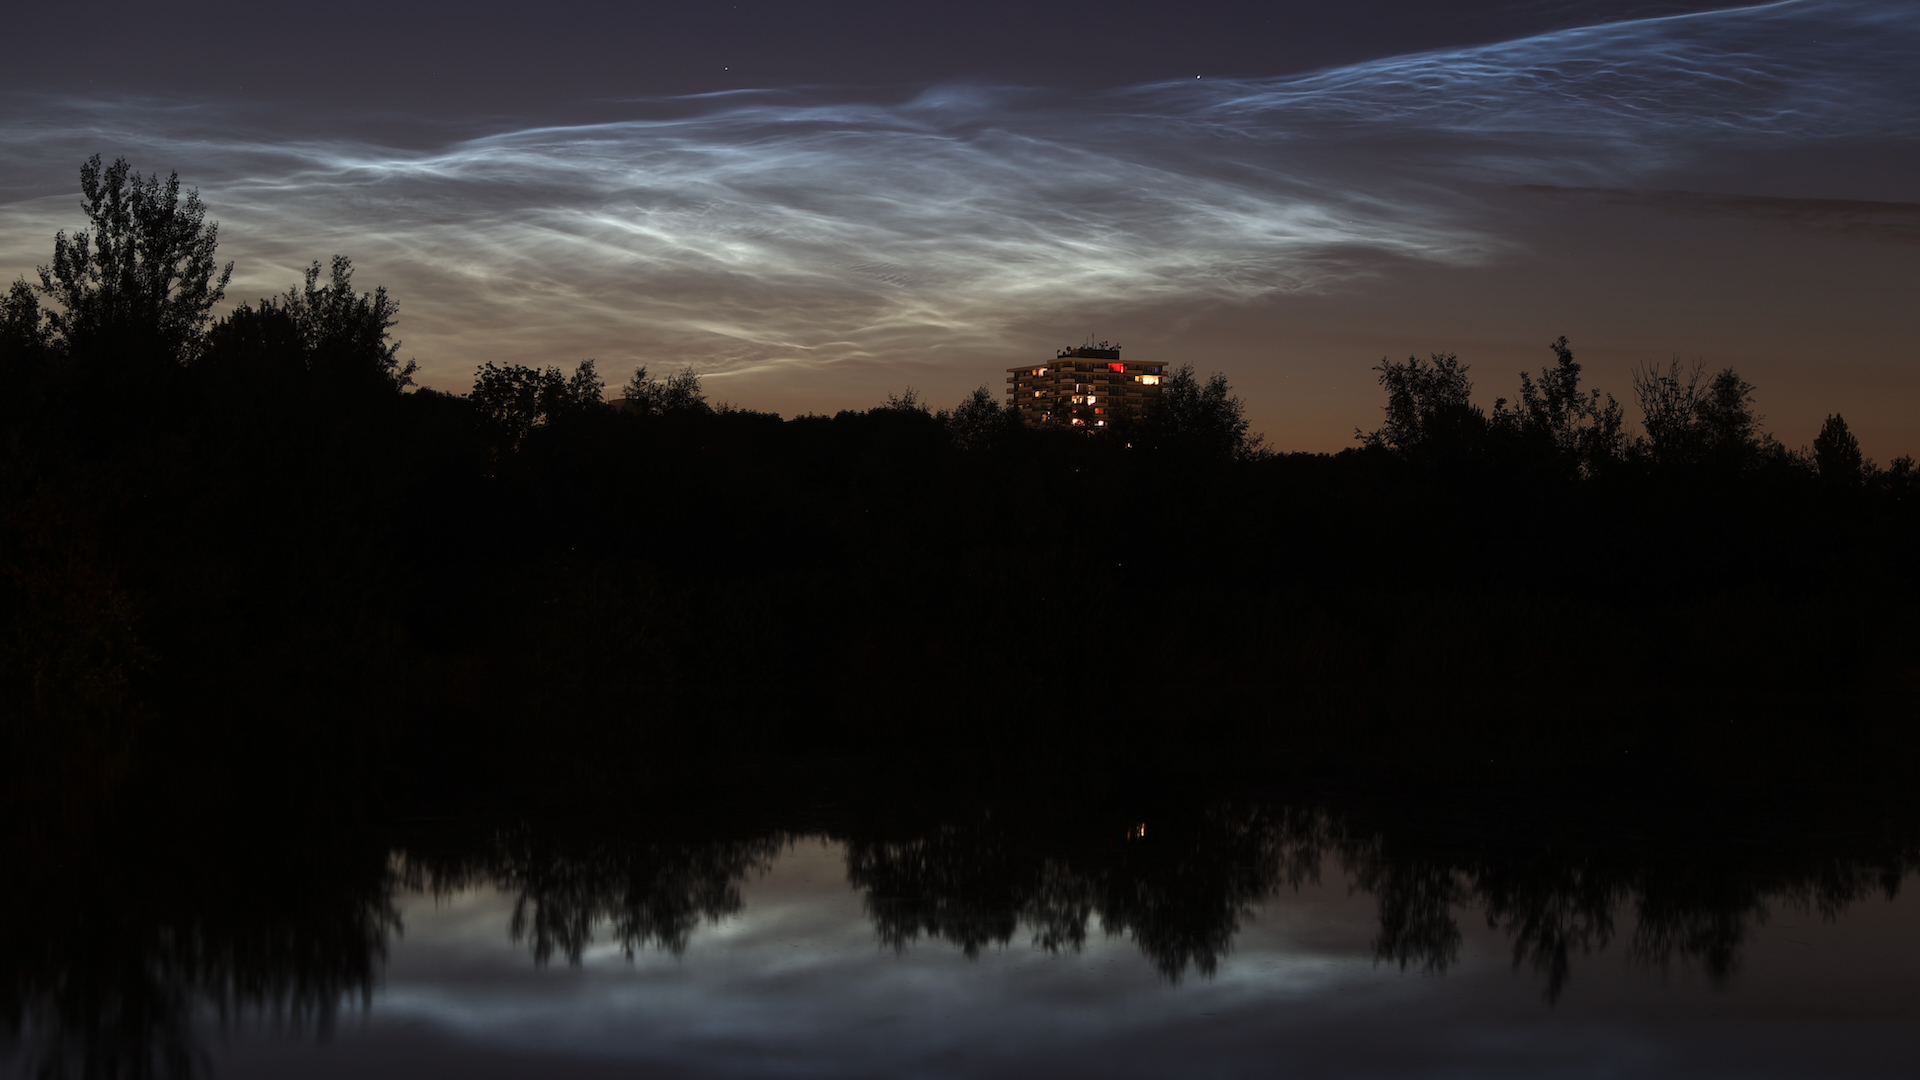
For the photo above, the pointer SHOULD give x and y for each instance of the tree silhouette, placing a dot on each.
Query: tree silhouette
(24, 352)
(1727, 418)
(1690, 419)
(907, 401)
(143, 280)
(23, 329)
(1556, 412)
(1429, 406)
(517, 399)
(1837, 454)
(978, 421)
(345, 333)
(1669, 403)
(677, 394)
(1204, 418)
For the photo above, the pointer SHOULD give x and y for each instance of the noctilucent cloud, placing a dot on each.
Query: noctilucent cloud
(1733, 185)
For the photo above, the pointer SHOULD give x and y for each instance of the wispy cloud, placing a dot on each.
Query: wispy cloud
(1798, 69)
(783, 228)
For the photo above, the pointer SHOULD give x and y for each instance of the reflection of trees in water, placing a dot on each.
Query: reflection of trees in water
(1705, 915)
(109, 964)
(1415, 899)
(644, 892)
(1691, 899)
(110, 969)
(1553, 910)
(1181, 893)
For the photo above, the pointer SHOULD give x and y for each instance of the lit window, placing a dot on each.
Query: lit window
(1097, 423)
(1077, 420)
(1099, 411)
(1090, 399)
(1122, 368)
(1150, 380)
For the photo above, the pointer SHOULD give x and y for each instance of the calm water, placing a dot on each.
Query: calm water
(1215, 940)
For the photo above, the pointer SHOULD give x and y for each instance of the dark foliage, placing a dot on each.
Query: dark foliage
(513, 400)
(1197, 420)
(276, 559)
(1429, 408)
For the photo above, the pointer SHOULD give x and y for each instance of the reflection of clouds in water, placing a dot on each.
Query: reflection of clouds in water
(796, 983)
(797, 978)
(748, 228)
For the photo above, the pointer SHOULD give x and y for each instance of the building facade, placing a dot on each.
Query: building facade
(1083, 387)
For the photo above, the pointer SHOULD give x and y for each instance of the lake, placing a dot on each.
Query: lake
(1178, 934)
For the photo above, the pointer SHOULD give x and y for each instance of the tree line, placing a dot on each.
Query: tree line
(249, 537)
(1689, 420)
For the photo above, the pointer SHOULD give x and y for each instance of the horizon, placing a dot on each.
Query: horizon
(1727, 185)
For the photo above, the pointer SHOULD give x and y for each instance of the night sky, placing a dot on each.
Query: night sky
(818, 204)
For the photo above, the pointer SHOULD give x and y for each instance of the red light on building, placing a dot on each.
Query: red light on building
(1066, 392)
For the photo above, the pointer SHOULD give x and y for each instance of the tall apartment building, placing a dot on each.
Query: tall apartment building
(1084, 387)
